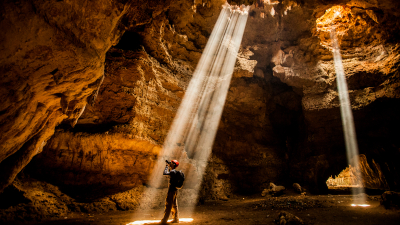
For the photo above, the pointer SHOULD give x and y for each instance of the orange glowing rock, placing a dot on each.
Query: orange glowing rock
(338, 17)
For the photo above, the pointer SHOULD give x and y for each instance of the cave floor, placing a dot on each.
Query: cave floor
(315, 209)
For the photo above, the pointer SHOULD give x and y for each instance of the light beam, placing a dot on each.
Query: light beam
(193, 130)
(347, 117)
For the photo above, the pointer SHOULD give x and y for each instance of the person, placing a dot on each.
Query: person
(171, 203)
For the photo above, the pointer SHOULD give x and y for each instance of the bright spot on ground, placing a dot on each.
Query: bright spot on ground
(181, 220)
(362, 205)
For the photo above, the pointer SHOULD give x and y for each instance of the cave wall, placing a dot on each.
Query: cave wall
(116, 142)
(52, 65)
(281, 122)
(295, 49)
(370, 59)
(146, 75)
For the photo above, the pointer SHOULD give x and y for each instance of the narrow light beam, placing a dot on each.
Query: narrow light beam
(193, 130)
(347, 117)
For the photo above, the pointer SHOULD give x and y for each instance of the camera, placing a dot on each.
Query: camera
(168, 162)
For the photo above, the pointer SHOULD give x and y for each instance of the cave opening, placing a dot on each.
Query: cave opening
(130, 40)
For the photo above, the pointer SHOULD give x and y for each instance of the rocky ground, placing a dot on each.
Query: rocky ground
(310, 209)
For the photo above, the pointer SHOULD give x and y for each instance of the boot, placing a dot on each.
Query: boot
(176, 220)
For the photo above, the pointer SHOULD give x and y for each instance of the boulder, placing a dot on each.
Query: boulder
(276, 190)
(390, 199)
(285, 218)
(297, 188)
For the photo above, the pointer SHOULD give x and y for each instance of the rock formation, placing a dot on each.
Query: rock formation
(52, 64)
(90, 88)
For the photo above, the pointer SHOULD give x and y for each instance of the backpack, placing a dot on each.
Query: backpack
(179, 179)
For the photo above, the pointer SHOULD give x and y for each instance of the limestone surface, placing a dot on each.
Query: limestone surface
(89, 90)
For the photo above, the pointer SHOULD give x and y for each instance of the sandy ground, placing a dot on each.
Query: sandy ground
(317, 209)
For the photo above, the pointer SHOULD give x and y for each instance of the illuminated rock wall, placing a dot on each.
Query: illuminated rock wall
(294, 48)
(281, 121)
(52, 64)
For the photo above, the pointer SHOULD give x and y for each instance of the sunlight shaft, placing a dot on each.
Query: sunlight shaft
(347, 116)
(192, 133)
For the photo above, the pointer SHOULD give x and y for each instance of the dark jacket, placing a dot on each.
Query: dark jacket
(172, 177)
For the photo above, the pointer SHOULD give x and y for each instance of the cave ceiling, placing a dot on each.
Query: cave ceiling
(90, 88)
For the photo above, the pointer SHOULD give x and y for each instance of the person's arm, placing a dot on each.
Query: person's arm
(166, 172)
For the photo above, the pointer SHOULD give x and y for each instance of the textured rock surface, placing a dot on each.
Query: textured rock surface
(281, 121)
(129, 132)
(372, 174)
(138, 97)
(30, 199)
(295, 49)
(93, 164)
(370, 60)
(52, 63)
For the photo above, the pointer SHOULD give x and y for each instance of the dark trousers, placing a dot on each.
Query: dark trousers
(171, 204)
